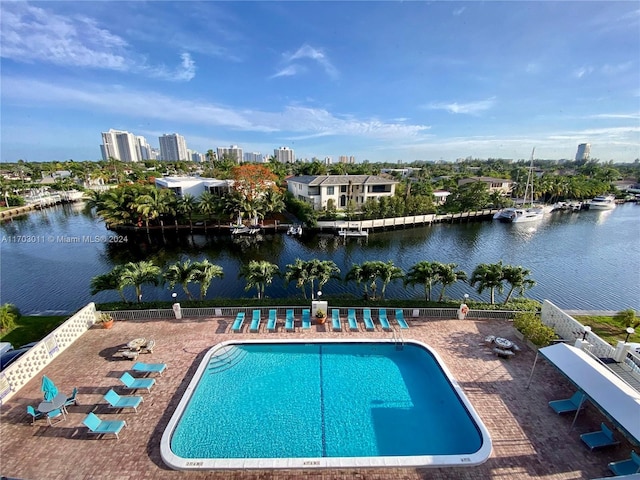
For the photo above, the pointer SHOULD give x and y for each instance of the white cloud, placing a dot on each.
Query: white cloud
(458, 11)
(616, 69)
(582, 71)
(34, 35)
(470, 108)
(292, 61)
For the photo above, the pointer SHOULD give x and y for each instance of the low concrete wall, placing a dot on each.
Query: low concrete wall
(16, 375)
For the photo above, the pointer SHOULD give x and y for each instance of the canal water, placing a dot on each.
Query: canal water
(587, 260)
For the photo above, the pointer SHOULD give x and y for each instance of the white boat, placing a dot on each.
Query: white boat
(351, 232)
(526, 212)
(294, 230)
(602, 202)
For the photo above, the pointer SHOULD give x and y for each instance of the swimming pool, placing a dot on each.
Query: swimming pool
(323, 404)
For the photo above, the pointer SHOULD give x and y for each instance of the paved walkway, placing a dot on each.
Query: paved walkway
(529, 440)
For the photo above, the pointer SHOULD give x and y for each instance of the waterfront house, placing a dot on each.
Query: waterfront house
(319, 189)
(195, 186)
(502, 185)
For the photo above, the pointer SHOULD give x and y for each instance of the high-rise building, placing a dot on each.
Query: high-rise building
(232, 151)
(120, 145)
(584, 150)
(284, 155)
(145, 148)
(346, 159)
(253, 157)
(173, 147)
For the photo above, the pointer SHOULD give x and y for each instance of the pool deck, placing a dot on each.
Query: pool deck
(529, 439)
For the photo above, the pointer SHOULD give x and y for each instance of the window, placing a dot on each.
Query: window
(343, 188)
(330, 190)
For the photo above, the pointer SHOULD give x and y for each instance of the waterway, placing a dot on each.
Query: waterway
(587, 260)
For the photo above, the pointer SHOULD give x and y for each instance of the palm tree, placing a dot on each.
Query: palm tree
(488, 275)
(258, 274)
(387, 272)
(208, 204)
(324, 270)
(367, 275)
(422, 273)
(156, 203)
(181, 273)
(109, 281)
(298, 272)
(186, 205)
(448, 275)
(357, 274)
(204, 272)
(516, 276)
(140, 273)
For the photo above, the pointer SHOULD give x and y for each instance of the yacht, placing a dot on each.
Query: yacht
(602, 202)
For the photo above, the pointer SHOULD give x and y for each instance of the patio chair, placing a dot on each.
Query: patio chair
(137, 383)
(400, 319)
(306, 319)
(34, 414)
(273, 320)
(148, 347)
(57, 413)
(118, 401)
(368, 321)
(237, 324)
(335, 320)
(351, 317)
(290, 321)
(599, 439)
(384, 321)
(141, 367)
(101, 427)
(628, 466)
(569, 404)
(255, 322)
(73, 399)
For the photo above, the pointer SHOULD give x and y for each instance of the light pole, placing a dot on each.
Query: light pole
(319, 294)
(630, 331)
(174, 295)
(585, 332)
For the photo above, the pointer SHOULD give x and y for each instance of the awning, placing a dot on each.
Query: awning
(615, 398)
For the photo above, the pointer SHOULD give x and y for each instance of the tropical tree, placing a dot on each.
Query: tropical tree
(297, 272)
(109, 281)
(422, 273)
(156, 203)
(9, 315)
(324, 270)
(448, 275)
(208, 204)
(387, 272)
(488, 276)
(258, 274)
(204, 273)
(140, 273)
(182, 273)
(516, 277)
(186, 205)
(365, 274)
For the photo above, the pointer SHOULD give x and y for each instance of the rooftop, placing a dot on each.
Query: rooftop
(529, 439)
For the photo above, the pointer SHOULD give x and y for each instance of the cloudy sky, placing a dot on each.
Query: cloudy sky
(382, 81)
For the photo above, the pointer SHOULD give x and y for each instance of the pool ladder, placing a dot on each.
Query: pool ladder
(397, 338)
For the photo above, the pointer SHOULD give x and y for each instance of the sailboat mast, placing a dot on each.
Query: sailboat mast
(529, 180)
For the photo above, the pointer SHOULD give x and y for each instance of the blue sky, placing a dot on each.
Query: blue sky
(383, 81)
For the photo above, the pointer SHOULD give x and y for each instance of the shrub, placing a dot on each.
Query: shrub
(627, 318)
(530, 325)
(9, 315)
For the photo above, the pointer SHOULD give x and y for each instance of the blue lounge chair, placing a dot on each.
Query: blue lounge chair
(568, 405)
(137, 383)
(273, 320)
(34, 414)
(237, 325)
(289, 321)
(158, 368)
(400, 319)
(118, 401)
(351, 317)
(368, 321)
(306, 319)
(599, 439)
(628, 466)
(384, 321)
(335, 320)
(255, 322)
(73, 399)
(100, 427)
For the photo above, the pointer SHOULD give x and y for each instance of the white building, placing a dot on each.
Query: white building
(284, 155)
(121, 145)
(253, 157)
(347, 159)
(195, 186)
(233, 151)
(319, 189)
(584, 150)
(144, 148)
(173, 147)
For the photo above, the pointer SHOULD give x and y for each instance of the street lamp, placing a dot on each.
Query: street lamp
(630, 331)
(174, 295)
(585, 332)
(319, 294)
(466, 297)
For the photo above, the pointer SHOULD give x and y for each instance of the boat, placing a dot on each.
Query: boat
(523, 213)
(295, 230)
(353, 232)
(244, 230)
(602, 202)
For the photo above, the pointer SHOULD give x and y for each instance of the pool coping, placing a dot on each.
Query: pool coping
(424, 461)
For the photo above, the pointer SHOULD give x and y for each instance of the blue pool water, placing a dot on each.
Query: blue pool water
(323, 400)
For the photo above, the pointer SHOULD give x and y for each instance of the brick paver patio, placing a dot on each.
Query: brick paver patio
(529, 439)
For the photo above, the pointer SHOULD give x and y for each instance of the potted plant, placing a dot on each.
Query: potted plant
(106, 320)
(321, 316)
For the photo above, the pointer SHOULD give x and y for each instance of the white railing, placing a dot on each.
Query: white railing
(16, 375)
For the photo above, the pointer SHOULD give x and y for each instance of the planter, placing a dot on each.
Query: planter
(321, 320)
(108, 324)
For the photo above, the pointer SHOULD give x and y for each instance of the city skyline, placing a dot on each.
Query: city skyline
(380, 81)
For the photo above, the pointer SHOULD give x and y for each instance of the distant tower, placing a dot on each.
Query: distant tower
(584, 149)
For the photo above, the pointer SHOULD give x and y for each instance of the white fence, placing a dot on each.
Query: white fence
(16, 375)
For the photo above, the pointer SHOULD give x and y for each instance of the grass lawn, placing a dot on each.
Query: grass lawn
(31, 329)
(610, 329)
